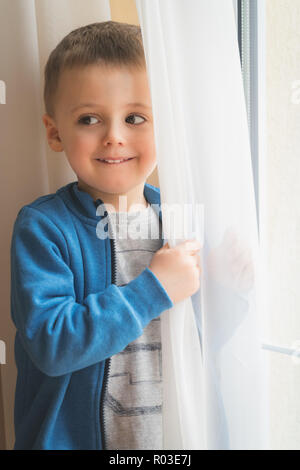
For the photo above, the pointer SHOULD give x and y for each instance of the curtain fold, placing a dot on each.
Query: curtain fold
(215, 374)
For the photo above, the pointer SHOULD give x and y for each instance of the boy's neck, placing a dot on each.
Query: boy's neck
(133, 201)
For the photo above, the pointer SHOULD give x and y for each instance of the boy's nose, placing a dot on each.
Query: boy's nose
(114, 135)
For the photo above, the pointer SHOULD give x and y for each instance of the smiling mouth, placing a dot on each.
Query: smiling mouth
(114, 162)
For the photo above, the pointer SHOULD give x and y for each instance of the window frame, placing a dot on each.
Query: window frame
(251, 30)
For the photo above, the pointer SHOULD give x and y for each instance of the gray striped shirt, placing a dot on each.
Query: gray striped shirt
(133, 401)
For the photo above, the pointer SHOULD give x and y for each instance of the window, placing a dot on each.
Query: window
(268, 32)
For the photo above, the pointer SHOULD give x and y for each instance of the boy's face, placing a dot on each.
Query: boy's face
(95, 118)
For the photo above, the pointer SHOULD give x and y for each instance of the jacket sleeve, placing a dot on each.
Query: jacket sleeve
(59, 334)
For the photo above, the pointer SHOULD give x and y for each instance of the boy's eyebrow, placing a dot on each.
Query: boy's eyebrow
(93, 105)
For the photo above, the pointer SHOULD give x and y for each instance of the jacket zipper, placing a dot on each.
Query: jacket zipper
(107, 362)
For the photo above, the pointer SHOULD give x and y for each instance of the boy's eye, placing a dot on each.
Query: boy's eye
(135, 115)
(87, 120)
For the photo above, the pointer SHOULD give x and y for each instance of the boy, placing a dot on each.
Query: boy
(86, 307)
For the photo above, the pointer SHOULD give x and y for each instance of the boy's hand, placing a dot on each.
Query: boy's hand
(178, 269)
(231, 264)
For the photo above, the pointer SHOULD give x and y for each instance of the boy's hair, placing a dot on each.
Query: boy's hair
(105, 43)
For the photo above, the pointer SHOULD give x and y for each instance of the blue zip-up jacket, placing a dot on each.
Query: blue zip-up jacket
(70, 317)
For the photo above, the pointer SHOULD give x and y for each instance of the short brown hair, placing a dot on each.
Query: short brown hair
(107, 43)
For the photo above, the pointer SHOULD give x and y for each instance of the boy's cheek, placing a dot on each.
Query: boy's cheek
(82, 145)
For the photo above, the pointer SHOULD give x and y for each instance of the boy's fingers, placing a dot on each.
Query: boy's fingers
(190, 245)
(187, 245)
(197, 260)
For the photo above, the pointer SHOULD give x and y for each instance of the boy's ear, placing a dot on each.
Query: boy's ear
(53, 138)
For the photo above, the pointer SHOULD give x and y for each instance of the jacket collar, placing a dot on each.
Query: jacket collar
(87, 206)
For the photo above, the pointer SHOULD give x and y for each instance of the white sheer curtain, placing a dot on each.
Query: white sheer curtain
(29, 30)
(215, 389)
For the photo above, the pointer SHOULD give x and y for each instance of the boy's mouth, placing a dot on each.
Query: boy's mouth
(114, 161)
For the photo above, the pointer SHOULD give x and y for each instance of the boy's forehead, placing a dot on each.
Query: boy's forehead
(87, 85)
(103, 70)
